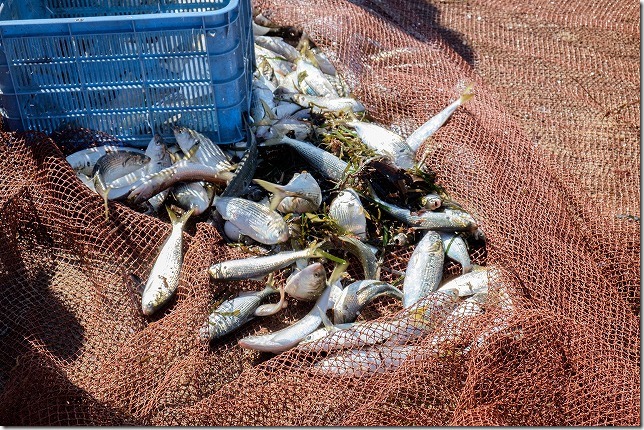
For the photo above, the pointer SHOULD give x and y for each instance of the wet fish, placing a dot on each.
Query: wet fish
(424, 131)
(255, 220)
(254, 267)
(312, 81)
(384, 142)
(113, 166)
(308, 283)
(349, 213)
(302, 185)
(327, 164)
(160, 159)
(456, 249)
(83, 161)
(206, 152)
(424, 270)
(232, 314)
(326, 104)
(359, 294)
(473, 282)
(446, 220)
(193, 195)
(365, 254)
(361, 362)
(278, 46)
(164, 277)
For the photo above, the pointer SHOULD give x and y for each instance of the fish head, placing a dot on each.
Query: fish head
(462, 219)
(431, 201)
(308, 283)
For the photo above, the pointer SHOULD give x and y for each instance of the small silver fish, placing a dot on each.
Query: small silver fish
(424, 270)
(235, 234)
(473, 282)
(358, 295)
(384, 142)
(313, 80)
(193, 195)
(349, 213)
(324, 162)
(255, 220)
(253, 267)
(207, 152)
(362, 362)
(308, 283)
(83, 161)
(456, 249)
(278, 46)
(232, 314)
(164, 277)
(324, 104)
(302, 185)
(424, 131)
(365, 254)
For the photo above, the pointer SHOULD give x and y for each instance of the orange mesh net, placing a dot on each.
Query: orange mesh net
(545, 156)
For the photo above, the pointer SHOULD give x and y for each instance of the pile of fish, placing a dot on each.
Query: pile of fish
(353, 189)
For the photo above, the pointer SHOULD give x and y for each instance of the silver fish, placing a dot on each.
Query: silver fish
(278, 64)
(297, 205)
(431, 201)
(308, 283)
(326, 104)
(159, 159)
(361, 362)
(359, 294)
(259, 30)
(83, 161)
(323, 332)
(384, 142)
(232, 314)
(290, 336)
(254, 267)
(365, 254)
(164, 277)
(262, 100)
(326, 163)
(255, 220)
(424, 270)
(113, 166)
(349, 213)
(278, 46)
(235, 234)
(446, 220)
(473, 282)
(456, 249)
(193, 195)
(207, 152)
(302, 185)
(424, 131)
(311, 78)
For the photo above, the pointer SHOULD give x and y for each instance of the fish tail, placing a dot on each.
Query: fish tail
(467, 94)
(268, 112)
(179, 221)
(277, 190)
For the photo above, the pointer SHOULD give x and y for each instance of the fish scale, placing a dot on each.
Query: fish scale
(424, 270)
(253, 267)
(253, 219)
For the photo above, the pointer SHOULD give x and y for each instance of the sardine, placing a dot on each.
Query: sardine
(424, 131)
(384, 142)
(431, 201)
(349, 213)
(290, 336)
(193, 195)
(364, 253)
(424, 270)
(314, 80)
(324, 162)
(233, 233)
(446, 220)
(302, 185)
(164, 277)
(83, 161)
(473, 282)
(159, 159)
(232, 314)
(357, 295)
(254, 267)
(255, 220)
(308, 283)
(325, 104)
(278, 46)
(113, 166)
(207, 152)
(361, 362)
(456, 249)
(297, 205)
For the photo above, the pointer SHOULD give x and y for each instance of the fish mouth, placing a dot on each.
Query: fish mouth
(148, 309)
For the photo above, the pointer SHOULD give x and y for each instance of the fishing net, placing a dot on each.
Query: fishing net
(545, 156)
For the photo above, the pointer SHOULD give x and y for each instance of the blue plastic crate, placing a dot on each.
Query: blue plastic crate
(129, 68)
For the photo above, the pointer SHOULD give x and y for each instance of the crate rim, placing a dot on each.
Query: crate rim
(148, 16)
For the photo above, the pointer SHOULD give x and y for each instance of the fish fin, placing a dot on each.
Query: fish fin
(268, 112)
(103, 191)
(178, 221)
(277, 190)
(325, 319)
(337, 273)
(467, 94)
